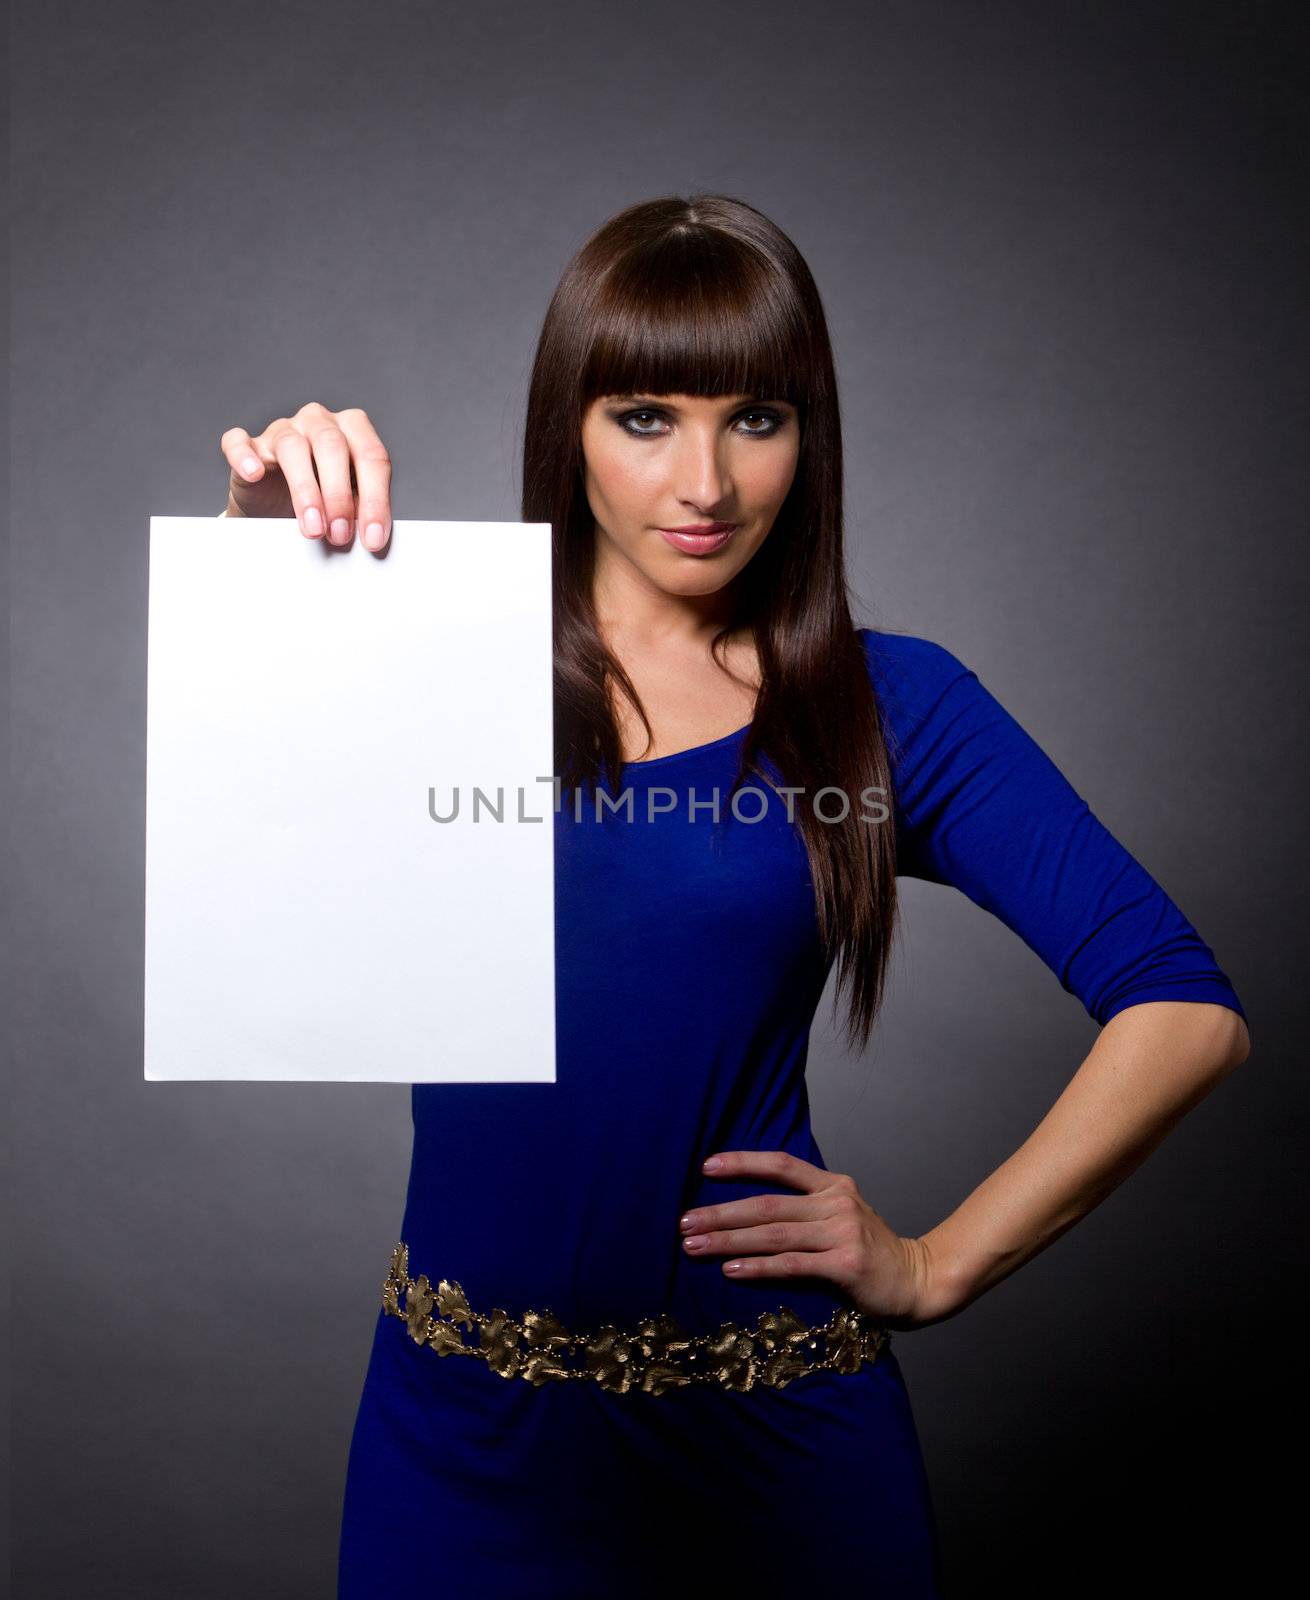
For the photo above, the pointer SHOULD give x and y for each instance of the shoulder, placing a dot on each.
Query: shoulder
(904, 657)
(911, 676)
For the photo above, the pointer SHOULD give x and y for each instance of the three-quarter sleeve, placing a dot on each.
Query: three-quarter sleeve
(980, 806)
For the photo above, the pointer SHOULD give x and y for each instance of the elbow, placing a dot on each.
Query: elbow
(1227, 1037)
(1215, 1036)
(1239, 1041)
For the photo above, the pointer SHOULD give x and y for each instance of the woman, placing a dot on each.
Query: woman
(743, 775)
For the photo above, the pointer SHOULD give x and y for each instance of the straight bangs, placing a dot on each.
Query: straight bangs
(699, 314)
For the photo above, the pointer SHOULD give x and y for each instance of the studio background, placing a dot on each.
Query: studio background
(1056, 249)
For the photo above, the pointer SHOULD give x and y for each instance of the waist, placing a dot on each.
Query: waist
(653, 1356)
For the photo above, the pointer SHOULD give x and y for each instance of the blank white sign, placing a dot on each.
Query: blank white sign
(308, 709)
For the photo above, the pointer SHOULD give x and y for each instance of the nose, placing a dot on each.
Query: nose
(702, 480)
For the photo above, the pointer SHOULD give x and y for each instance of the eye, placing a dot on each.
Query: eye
(760, 422)
(772, 422)
(629, 417)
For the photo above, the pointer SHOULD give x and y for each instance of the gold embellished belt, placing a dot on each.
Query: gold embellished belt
(657, 1355)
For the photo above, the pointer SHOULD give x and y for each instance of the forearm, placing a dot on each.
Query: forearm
(1149, 1066)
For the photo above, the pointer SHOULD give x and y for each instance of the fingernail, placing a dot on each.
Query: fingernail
(712, 1165)
(340, 529)
(696, 1241)
(313, 522)
(250, 466)
(373, 536)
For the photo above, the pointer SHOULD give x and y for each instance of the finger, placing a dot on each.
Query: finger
(332, 464)
(790, 1264)
(744, 1213)
(372, 474)
(780, 1165)
(242, 454)
(292, 453)
(768, 1238)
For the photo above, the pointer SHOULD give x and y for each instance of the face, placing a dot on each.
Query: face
(655, 463)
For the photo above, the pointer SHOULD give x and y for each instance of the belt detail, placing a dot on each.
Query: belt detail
(655, 1356)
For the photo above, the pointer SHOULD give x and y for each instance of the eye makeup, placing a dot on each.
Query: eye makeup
(628, 417)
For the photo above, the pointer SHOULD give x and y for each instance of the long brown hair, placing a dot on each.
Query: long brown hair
(706, 296)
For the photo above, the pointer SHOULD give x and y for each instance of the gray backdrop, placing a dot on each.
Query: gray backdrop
(1056, 247)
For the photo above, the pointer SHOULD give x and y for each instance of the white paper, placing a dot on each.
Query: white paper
(306, 919)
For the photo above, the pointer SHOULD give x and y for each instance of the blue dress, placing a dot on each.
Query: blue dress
(688, 974)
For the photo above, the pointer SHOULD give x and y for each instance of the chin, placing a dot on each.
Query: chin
(698, 581)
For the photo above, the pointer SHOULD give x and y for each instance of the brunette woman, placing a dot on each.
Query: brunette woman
(635, 1336)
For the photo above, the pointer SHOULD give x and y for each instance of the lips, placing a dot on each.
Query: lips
(700, 539)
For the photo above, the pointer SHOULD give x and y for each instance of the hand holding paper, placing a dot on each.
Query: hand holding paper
(302, 466)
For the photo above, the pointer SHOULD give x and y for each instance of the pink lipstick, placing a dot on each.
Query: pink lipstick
(700, 539)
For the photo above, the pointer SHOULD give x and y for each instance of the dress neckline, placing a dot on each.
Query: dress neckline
(693, 750)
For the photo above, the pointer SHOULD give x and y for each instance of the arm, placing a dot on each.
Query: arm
(1149, 1066)
(982, 808)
